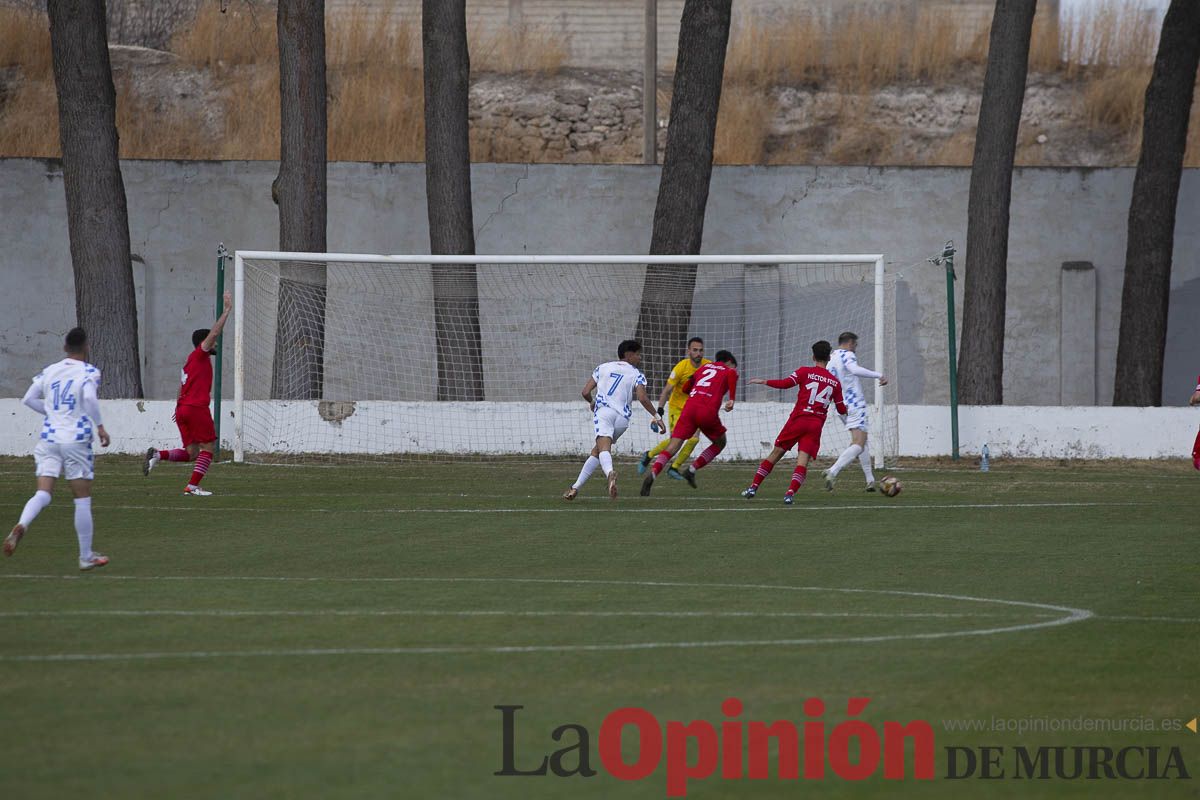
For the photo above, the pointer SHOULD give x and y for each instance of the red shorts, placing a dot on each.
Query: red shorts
(696, 418)
(804, 431)
(195, 425)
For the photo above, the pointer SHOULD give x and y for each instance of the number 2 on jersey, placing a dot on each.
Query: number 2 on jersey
(706, 377)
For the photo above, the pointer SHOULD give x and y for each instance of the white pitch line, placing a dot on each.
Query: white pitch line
(487, 613)
(1148, 619)
(1070, 615)
(605, 510)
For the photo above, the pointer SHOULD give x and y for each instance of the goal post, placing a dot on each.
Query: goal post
(359, 338)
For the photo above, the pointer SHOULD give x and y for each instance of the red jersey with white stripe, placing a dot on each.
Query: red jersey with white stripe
(195, 382)
(708, 385)
(819, 388)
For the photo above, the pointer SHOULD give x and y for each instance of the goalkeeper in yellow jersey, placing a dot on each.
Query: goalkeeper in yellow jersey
(675, 383)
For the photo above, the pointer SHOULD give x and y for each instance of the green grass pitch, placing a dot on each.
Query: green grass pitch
(346, 632)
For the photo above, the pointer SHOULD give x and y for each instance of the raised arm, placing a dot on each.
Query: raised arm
(33, 398)
(854, 368)
(210, 341)
(776, 383)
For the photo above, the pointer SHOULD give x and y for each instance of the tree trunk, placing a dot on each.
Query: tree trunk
(1151, 240)
(666, 308)
(301, 193)
(981, 361)
(97, 217)
(448, 193)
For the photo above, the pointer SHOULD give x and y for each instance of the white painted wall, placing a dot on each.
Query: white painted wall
(564, 428)
(1051, 431)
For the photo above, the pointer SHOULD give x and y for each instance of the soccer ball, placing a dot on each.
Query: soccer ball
(890, 486)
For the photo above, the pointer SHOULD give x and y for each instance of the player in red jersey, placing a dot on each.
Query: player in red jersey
(701, 412)
(818, 389)
(192, 416)
(1195, 401)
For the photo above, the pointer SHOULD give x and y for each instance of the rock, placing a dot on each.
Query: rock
(604, 110)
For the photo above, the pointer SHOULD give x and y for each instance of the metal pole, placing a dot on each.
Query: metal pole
(239, 358)
(222, 254)
(880, 361)
(948, 258)
(650, 87)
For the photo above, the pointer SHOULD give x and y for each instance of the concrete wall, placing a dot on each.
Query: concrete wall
(564, 429)
(179, 211)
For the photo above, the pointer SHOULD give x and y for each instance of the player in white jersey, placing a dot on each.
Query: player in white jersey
(66, 395)
(844, 364)
(616, 384)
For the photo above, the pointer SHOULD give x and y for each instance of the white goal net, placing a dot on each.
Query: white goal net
(358, 358)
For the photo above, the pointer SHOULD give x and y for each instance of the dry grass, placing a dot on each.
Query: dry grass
(29, 121)
(376, 103)
(148, 130)
(935, 55)
(25, 41)
(957, 151)
(524, 48)
(769, 51)
(1116, 99)
(251, 116)
(244, 34)
(866, 52)
(1045, 54)
(857, 139)
(1111, 34)
(743, 119)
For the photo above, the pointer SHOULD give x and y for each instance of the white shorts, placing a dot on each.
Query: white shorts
(75, 459)
(609, 422)
(857, 418)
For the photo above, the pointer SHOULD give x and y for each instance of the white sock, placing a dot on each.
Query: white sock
(40, 500)
(848, 455)
(589, 467)
(83, 525)
(606, 462)
(864, 458)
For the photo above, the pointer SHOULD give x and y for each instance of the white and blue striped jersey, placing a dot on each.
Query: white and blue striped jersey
(63, 388)
(615, 381)
(844, 365)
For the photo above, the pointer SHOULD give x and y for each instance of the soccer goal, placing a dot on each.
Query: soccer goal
(367, 358)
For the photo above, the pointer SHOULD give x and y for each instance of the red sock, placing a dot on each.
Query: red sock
(764, 469)
(178, 454)
(660, 462)
(797, 479)
(708, 455)
(202, 462)
(1196, 447)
